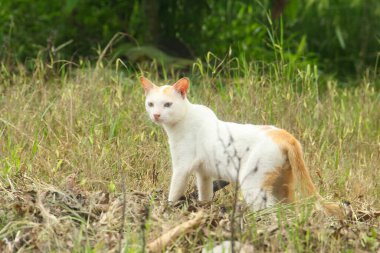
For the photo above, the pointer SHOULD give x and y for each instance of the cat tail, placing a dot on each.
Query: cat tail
(303, 177)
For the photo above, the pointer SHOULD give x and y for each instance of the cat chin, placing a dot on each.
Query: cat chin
(158, 122)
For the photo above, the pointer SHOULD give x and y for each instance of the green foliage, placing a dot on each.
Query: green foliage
(31, 27)
(342, 37)
(343, 34)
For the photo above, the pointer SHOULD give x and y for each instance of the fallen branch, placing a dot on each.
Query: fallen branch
(160, 243)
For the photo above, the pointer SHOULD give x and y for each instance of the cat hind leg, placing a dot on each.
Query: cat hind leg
(258, 198)
(205, 187)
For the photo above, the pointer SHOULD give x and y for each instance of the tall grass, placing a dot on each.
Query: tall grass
(77, 129)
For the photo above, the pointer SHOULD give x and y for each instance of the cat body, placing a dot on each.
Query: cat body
(263, 160)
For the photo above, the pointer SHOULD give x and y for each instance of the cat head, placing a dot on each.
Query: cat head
(166, 104)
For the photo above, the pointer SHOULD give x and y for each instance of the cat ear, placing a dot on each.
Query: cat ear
(146, 84)
(182, 85)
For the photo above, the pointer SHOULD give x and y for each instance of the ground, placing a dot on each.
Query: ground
(84, 170)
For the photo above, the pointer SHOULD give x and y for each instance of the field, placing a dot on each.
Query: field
(84, 170)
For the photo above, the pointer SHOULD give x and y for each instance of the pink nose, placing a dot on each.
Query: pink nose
(156, 116)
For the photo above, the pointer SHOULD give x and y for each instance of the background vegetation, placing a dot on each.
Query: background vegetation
(342, 37)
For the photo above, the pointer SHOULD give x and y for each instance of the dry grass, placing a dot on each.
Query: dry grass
(67, 141)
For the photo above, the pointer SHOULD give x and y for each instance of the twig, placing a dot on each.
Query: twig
(144, 219)
(104, 51)
(121, 230)
(237, 166)
(48, 217)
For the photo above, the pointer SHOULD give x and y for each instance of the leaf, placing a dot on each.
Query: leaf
(339, 35)
(112, 187)
(136, 54)
(70, 5)
(301, 46)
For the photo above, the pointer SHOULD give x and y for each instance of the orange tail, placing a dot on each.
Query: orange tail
(302, 174)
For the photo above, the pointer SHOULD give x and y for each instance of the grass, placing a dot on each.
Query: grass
(69, 138)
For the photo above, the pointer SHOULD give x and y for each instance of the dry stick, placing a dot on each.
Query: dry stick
(110, 43)
(123, 178)
(48, 217)
(124, 191)
(144, 219)
(234, 207)
(160, 243)
(236, 188)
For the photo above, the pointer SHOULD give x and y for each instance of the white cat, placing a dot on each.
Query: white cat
(263, 160)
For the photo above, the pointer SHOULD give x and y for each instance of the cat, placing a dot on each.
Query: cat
(265, 161)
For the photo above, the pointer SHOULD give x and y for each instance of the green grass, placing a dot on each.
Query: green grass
(68, 138)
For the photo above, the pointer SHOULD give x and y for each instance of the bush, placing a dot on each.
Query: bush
(343, 36)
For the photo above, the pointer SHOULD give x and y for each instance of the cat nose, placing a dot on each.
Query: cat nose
(156, 116)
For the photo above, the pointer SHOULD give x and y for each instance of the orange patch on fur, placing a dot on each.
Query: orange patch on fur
(182, 85)
(147, 84)
(282, 138)
(167, 90)
(293, 151)
(280, 182)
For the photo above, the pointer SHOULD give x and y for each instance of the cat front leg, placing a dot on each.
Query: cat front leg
(178, 184)
(205, 187)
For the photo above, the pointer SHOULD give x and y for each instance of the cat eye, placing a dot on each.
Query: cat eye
(168, 104)
(150, 104)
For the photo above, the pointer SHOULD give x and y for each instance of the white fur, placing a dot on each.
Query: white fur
(200, 143)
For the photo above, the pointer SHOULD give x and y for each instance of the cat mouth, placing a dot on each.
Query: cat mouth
(158, 121)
